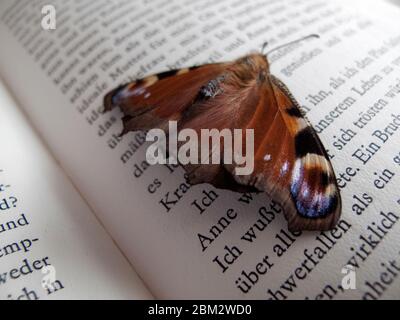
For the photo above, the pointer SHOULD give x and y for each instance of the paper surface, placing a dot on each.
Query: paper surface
(347, 82)
(51, 245)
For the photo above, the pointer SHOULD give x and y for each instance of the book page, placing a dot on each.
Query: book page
(196, 241)
(51, 245)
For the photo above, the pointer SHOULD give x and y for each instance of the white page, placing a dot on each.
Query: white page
(51, 245)
(137, 38)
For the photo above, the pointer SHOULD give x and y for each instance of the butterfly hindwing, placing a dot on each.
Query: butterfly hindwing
(228, 104)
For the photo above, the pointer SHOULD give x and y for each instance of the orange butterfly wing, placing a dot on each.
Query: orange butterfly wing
(291, 163)
(151, 102)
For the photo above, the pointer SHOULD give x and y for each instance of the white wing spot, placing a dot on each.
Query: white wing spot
(267, 157)
(284, 168)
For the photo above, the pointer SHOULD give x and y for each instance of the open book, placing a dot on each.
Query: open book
(82, 215)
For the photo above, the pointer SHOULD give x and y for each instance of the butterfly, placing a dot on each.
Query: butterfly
(290, 162)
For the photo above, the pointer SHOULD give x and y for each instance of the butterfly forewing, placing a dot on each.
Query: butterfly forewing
(311, 185)
(149, 102)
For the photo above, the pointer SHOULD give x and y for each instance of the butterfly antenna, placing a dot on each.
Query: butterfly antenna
(311, 36)
(265, 45)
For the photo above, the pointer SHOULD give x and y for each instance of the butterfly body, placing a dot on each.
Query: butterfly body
(290, 162)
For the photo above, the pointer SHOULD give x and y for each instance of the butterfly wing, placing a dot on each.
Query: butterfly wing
(290, 162)
(150, 102)
(292, 165)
